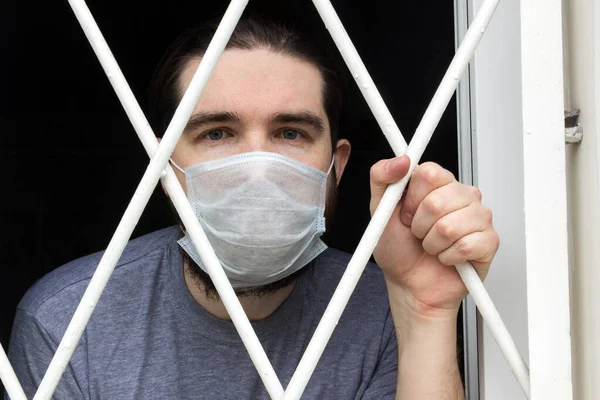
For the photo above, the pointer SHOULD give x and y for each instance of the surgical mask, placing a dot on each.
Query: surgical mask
(263, 214)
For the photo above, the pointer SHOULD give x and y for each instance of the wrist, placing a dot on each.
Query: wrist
(414, 319)
(420, 311)
(427, 353)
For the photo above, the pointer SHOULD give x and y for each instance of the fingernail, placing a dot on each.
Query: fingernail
(407, 218)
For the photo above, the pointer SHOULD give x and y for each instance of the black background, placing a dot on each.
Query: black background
(70, 160)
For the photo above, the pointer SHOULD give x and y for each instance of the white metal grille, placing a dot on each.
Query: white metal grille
(159, 168)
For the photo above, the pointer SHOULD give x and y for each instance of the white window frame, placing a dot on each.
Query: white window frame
(545, 199)
(505, 164)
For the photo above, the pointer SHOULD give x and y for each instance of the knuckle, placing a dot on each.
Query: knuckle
(464, 248)
(446, 228)
(433, 204)
(429, 172)
(476, 192)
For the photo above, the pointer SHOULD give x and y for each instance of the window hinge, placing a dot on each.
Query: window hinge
(573, 131)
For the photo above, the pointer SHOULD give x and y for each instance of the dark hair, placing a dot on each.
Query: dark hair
(250, 33)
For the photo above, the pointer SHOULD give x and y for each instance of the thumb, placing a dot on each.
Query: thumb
(384, 173)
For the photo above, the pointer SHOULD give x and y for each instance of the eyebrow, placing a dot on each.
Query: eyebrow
(302, 117)
(211, 117)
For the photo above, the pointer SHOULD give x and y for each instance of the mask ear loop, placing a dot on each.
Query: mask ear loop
(331, 165)
(177, 166)
(324, 192)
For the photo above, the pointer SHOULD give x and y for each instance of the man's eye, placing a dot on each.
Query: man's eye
(216, 134)
(290, 134)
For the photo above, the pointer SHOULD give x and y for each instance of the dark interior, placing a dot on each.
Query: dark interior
(70, 159)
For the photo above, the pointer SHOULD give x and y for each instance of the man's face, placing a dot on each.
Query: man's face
(257, 100)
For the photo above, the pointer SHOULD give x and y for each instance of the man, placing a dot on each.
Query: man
(260, 159)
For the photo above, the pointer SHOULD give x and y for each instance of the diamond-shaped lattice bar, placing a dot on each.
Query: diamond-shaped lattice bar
(393, 193)
(176, 193)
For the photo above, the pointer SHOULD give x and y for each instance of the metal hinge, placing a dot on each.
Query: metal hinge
(573, 131)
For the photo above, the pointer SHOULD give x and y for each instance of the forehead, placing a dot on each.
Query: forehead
(258, 82)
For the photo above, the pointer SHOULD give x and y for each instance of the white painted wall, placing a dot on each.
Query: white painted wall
(499, 171)
(582, 20)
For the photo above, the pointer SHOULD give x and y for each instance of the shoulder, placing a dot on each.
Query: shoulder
(67, 283)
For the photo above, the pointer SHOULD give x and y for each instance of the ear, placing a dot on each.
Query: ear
(342, 154)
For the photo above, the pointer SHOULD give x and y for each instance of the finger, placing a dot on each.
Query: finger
(456, 225)
(384, 173)
(426, 178)
(477, 247)
(441, 202)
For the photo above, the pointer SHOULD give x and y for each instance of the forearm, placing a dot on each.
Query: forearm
(427, 358)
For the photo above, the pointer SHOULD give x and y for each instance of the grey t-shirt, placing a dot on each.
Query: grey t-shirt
(149, 339)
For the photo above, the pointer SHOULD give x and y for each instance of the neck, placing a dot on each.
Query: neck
(256, 307)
